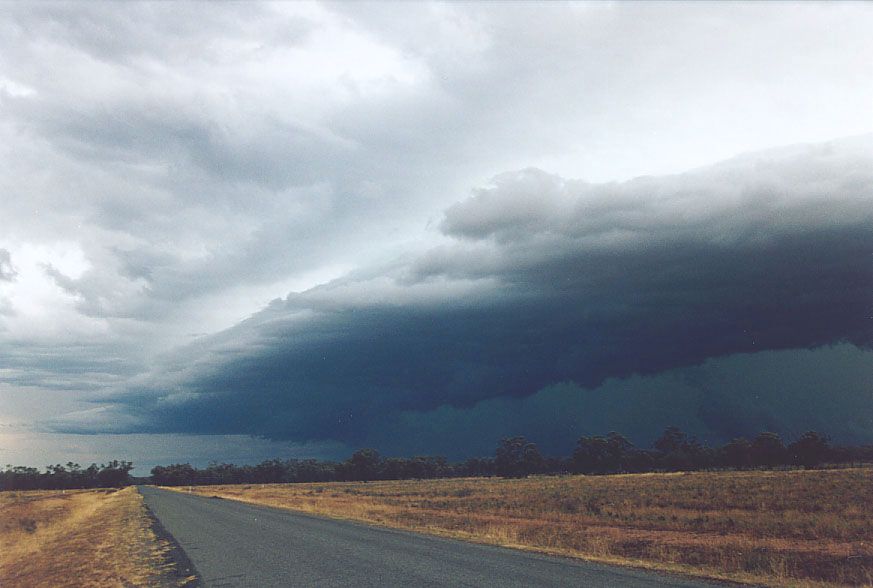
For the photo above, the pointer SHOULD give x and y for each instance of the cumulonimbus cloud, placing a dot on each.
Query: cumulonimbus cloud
(545, 280)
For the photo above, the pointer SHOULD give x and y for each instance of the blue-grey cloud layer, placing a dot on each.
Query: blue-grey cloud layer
(544, 280)
(791, 391)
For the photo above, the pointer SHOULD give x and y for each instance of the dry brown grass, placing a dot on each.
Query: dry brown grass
(79, 538)
(797, 528)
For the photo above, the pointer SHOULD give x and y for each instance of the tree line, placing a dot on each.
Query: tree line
(612, 453)
(114, 474)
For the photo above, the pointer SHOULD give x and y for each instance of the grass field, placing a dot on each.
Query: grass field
(79, 538)
(792, 528)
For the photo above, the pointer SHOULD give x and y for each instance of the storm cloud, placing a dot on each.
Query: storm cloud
(544, 280)
(169, 169)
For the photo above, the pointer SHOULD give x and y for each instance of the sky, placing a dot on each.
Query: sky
(239, 231)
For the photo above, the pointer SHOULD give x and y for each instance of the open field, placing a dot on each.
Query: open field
(79, 538)
(778, 528)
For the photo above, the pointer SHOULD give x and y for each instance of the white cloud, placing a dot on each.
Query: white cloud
(15, 89)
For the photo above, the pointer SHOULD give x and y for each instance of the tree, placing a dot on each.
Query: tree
(672, 440)
(516, 457)
(478, 466)
(601, 455)
(114, 474)
(768, 450)
(364, 464)
(810, 450)
(681, 452)
(179, 474)
(737, 453)
(591, 455)
(269, 471)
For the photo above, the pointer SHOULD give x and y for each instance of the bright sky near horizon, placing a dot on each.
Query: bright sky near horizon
(245, 230)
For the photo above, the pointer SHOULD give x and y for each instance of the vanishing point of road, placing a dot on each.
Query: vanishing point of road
(235, 544)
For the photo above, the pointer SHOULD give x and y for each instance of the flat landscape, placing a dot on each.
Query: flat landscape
(782, 528)
(563, 294)
(79, 538)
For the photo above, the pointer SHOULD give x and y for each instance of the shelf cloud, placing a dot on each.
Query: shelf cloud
(543, 280)
(470, 219)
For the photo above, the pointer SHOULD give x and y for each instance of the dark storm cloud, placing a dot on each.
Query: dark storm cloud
(544, 280)
(791, 391)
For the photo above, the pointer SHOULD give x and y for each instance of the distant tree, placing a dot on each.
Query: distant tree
(677, 451)
(364, 464)
(590, 456)
(639, 460)
(856, 455)
(394, 468)
(22, 478)
(618, 443)
(810, 450)
(269, 471)
(424, 467)
(555, 465)
(223, 473)
(311, 470)
(516, 457)
(601, 455)
(114, 474)
(672, 440)
(179, 474)
(768, 450)
(477, 466)
(737, 453)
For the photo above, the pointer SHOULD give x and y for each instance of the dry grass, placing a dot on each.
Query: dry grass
(79, 538)
(797, 528)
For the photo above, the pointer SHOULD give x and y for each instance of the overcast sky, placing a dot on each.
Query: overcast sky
(240, 231)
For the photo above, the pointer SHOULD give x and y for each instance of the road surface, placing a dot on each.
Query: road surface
(235, 544)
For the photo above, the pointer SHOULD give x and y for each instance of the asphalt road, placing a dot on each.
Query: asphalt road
(236, 544)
